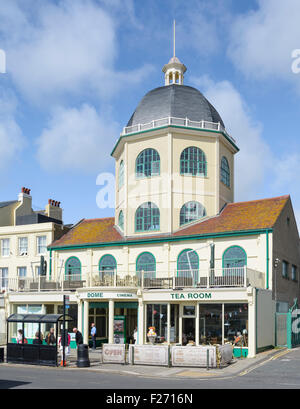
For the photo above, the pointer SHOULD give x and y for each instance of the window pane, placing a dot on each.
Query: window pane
(148, 163)
(41, 245)
(210, 324)
(193, 162)
(236, 324)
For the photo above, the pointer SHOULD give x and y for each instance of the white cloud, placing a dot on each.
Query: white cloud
(262, 41)
(254, 160)
(65, 48)
(76, 139)
(12, 140)
(257, 167)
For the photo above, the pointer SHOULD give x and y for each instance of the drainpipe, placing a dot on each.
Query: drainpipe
(267, 259)
(50, 264)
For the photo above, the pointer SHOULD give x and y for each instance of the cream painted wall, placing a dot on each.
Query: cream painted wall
(13, 233)
(171, 190)
(166, 255)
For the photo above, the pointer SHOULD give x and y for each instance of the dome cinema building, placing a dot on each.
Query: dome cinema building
(180, 255)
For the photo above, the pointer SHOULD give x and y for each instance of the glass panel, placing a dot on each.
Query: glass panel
(225, 172)
(5, 251)
(174, 330)
(234, 257)
(210, 325)
(193, 162)
(188, 331)
(107, 266)
(189, 310)
(147, 217)
(4, 277)
(191, 211)
(73, 269)
(236, 324)
(157, 318)
(41, 245)
(148, 163)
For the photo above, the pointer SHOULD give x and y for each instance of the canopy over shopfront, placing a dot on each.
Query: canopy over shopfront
(37, 351)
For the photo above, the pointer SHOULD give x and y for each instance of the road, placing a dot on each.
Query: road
(279, 373)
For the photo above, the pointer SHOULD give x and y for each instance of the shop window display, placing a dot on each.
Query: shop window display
(236, 324)
(157, 318)
(210, 325)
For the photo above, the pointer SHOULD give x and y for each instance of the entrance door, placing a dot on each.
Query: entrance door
(188, 330)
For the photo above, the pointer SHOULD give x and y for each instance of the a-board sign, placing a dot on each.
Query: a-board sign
(225, 353)
(113, 353)
(150, 355)
(194, 356)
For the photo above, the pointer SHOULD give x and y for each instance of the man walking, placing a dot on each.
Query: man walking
(93, 335)
(78, 337)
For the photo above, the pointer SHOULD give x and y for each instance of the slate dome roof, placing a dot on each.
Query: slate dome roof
(174, 100)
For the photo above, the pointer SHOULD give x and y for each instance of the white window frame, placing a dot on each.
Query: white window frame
(21, 247)
(24, 268)
(3, 253)
(39, 246)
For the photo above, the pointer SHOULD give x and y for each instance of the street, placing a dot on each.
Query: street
(282, 372)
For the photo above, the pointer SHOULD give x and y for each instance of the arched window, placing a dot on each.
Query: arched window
(73, 269)
(148, 164)
(107, 265)
(234, 256)
(121, 174)
(147, 217)
(121, 220)
(193, 162)
(191, 211)
(188, 266)
(225, 172)
(146, 262)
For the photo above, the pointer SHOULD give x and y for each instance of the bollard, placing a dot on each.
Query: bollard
(83, 356)
(207, 359)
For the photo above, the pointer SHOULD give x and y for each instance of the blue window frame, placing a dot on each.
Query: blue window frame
(193, 162)
(147, 217)
(191, 211)
(146, 262)
(107, 265)
(148, 164)
(225, 172)
(73, 269)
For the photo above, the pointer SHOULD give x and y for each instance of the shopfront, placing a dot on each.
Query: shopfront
(213, 319)
(114, 313)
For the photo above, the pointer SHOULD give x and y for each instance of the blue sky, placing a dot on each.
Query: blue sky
(76, 71)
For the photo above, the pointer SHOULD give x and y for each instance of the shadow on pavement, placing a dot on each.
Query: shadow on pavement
(6, 384)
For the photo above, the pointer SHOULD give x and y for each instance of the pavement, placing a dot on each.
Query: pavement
(238, 367)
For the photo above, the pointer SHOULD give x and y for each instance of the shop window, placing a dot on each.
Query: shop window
(107, 266)
(225, 172)
(157, 318)
(210, 324)
(236, 324)
(191, 211)
(193, 162)
(147, 218)
(73, 269)
(148, 164)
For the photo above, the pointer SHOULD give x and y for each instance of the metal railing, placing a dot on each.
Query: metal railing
(185, 122)
(211, 278)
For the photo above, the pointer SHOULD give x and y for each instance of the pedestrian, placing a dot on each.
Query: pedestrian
(19, 338)
(50, 338)
(78, 337)
(38, 340)
(64, 343)
(93, 335)
(135, 335)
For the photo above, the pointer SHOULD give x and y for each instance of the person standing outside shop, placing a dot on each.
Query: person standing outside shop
(78, 337)
(50, 338)
(64, 343)
(135, 335)
(93, 335)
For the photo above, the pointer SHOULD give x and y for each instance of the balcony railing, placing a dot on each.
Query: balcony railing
(185, 122)
(212, 278)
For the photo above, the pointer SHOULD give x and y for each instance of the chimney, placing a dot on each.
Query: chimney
(26, 199)
(54, 210)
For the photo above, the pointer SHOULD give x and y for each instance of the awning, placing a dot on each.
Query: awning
(39, 318)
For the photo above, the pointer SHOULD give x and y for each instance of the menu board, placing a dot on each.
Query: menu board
(150, 355)
(113, 353)
(194, 356)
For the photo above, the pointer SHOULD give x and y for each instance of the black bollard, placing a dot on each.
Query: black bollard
(83, 356)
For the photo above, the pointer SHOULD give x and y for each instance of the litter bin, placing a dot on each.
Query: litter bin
(83, 356)
(1, 355)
